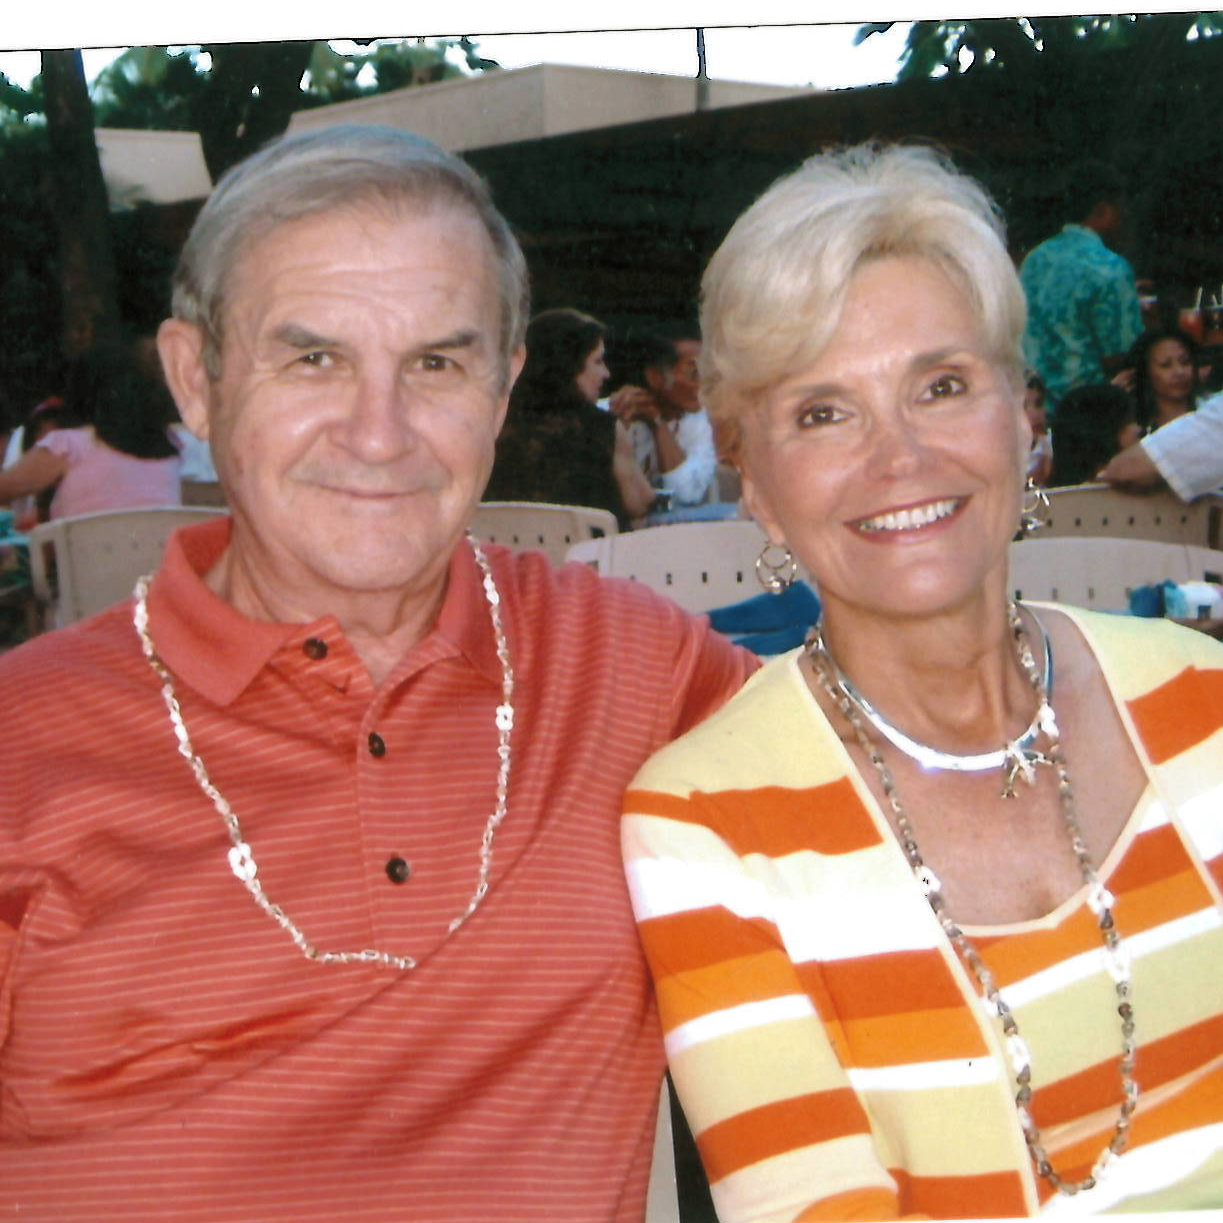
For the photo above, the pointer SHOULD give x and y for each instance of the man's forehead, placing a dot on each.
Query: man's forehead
(447, 240)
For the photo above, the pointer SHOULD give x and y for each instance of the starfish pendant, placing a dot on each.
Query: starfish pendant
(1020, 762)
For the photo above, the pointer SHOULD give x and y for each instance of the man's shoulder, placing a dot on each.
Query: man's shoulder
(574, 593)
(46, 674)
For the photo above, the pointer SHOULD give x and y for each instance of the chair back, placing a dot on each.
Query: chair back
(1099, 573)
(1096, 509)
(98, 557)
(700, 565)
(552, 529)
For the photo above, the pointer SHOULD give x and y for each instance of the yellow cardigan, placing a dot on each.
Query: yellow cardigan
(832, 1052)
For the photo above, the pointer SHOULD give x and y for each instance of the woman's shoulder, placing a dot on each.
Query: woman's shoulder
(70, 443)
(770, 733)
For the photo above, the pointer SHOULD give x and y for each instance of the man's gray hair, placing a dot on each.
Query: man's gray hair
(300, 176)
(773, 293)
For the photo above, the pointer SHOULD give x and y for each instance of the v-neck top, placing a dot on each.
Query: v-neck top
(831, 1050)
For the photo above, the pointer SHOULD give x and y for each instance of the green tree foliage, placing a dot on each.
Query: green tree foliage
(937, 48)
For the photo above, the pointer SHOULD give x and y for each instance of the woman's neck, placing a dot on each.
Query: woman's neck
(952, 681)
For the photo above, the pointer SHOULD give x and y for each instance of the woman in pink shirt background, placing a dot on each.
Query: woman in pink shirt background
(126, 459)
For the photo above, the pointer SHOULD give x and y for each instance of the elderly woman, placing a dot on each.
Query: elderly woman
(936, 893)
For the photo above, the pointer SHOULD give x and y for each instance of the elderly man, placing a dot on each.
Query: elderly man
(310, 896)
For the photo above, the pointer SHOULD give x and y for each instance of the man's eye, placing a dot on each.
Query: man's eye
(946, 385)
(435, 363)
(317, 360)
(819, 414)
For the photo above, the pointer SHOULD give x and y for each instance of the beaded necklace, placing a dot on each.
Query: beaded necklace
(242, 859)
(1099, 900)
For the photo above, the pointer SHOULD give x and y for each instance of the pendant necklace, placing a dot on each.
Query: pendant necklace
(1099, 900)
(1018, 758)
(242, 858)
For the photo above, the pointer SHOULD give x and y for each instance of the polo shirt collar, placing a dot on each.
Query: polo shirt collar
(218, 651)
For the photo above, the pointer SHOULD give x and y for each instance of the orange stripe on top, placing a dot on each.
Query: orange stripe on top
(1157, 1063)
(715, 987)
(915, 1036)
(784, 1125)
(828, 819)
(916, 980)
(1179, 714)
(990, 1195)
(683, 942)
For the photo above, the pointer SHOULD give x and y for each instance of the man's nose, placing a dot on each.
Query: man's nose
(378, 425)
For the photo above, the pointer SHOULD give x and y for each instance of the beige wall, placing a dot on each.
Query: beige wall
(160, 167)
(501, 107)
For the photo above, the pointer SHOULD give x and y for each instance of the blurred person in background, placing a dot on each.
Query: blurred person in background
(125, 459)
(556, 445)
(1162, 373)
(1093, 424)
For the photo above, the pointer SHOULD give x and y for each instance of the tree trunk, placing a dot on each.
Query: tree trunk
(252, 92)
(87, 264)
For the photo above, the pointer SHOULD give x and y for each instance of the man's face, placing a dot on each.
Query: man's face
(681, 387)
(359, 398)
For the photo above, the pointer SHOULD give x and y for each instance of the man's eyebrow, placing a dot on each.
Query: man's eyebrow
(458, 339)
(293, 335)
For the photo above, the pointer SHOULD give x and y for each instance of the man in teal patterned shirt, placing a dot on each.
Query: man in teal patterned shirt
(1082, 299)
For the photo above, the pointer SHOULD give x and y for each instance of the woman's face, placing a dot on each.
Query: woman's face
(593, 374)
(893, 464)
(1170, 371)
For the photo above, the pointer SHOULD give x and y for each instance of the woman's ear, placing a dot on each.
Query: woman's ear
(180, 345)
(757, 505)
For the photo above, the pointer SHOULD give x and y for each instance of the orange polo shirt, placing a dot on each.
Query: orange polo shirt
(165, 1050)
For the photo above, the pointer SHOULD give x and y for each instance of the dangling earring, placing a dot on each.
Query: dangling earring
(776, 574)
(1033, 511)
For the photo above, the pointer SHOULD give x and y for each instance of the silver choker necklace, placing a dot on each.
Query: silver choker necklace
(241, 858)
(1099, 900)
(1017, 758)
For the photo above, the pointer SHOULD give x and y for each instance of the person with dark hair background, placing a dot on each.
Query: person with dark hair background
(556, 445)
(1082, 297)
(1161, 373)
(1093, 424)
(125, 459)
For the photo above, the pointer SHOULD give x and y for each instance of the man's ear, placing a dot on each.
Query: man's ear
(181, 347)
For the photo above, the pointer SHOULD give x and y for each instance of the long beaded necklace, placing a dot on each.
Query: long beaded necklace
(1099, 900)
(242, 859)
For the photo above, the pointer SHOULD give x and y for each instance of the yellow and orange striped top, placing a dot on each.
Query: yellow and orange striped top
(831, 1051)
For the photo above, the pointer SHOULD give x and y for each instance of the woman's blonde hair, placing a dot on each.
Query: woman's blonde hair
(773, 292)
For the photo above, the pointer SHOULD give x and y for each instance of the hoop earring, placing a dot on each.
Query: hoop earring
(776, 574)
(1033, 512)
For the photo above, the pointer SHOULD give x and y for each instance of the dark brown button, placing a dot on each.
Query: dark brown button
(376, 746)
(398, 870)
(315, 647)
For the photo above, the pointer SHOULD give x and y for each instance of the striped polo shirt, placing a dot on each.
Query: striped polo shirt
(166, 1051)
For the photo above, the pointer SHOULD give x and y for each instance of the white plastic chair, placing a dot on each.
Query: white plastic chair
(662, 1197)
(1098, 510)
(538, 524)
(700, 565)
(98, 557)
(1097, 572)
